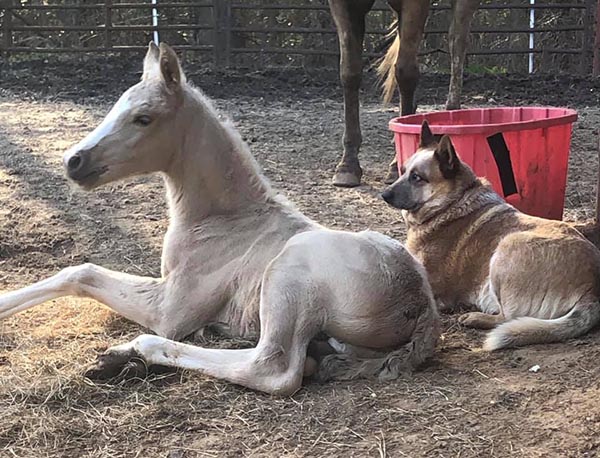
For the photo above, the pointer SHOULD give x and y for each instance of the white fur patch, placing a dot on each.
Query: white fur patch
(106, 127)
(421, 157)
(486, 300)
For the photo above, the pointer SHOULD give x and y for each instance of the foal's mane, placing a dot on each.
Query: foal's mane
(246, 160)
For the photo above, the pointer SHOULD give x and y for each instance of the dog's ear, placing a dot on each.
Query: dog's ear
(427, 137)
(447, 158)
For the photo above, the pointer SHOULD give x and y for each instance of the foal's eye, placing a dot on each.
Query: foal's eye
(414, 177)
(142, 120)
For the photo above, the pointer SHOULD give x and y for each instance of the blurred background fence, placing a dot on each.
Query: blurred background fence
(515, 36)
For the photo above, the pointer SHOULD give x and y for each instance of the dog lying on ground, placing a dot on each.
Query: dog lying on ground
(533, 280)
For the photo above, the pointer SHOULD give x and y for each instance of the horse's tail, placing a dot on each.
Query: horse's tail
(393, 364)
(528, 330)
(386, 66)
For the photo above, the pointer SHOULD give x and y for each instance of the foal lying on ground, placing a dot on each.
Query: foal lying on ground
(237, 253)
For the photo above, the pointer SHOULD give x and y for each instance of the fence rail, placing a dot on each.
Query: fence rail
(28, 27)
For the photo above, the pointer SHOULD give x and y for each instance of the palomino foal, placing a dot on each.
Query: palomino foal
(237, 253)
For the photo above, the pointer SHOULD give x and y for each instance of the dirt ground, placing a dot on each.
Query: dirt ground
(464, 403)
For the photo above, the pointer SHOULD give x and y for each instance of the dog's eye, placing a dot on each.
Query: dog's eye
(414, 177)
(142, 120)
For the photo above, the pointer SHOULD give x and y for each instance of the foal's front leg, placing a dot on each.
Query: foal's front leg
(136, 298)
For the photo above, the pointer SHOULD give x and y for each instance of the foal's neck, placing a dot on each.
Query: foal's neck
(212, 171)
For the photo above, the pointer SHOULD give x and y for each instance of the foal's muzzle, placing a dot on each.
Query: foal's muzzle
(79, 168)
(76, 165)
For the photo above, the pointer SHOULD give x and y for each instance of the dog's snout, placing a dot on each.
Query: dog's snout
(388, 195)
(74, 162)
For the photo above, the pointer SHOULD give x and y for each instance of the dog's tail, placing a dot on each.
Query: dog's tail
(391, 365)
(526, 330)
(386, 66)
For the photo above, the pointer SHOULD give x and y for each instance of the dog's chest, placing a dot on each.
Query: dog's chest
(456, 274)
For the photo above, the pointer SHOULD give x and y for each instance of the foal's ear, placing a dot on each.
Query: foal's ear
(169, 67)
(151, 60)
(427, 137)
(447, 158)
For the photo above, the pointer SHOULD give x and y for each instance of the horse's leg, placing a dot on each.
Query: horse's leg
(462, 16)
(412, 16)
(349, 18)
(136, 298)
(289, 320)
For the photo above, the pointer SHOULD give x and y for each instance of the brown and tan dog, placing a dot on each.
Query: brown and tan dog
(535, 280)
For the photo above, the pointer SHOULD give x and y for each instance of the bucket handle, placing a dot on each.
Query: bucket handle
(501, 155)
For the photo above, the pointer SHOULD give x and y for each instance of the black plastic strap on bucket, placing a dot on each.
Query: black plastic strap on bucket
(502, 157)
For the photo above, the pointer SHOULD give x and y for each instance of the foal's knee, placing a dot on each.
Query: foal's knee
(76, 278)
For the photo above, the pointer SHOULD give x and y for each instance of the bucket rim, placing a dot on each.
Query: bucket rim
(411, 124)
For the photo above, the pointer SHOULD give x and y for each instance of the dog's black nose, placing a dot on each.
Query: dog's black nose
(74, 162)
(388, 195)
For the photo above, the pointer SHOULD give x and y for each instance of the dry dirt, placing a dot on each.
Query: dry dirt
(464, 403)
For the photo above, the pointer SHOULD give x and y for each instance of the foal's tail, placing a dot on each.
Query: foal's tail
(527, 330)
(392, 365)
(386, 66)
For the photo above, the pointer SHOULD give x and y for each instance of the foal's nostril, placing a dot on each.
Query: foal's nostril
(74, 162)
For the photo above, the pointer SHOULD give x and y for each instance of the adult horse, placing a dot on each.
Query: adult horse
(239, 254)
(398, 68)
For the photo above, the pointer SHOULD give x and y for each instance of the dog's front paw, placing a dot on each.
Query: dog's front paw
(479, 320)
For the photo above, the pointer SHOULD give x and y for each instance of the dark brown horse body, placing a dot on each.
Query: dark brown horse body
(400, 66)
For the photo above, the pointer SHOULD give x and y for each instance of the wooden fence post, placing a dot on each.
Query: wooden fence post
(588, 38)
(7, 38)
(222, 32)
(107, 24)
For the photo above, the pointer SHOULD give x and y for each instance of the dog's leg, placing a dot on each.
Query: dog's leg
(481, 320)
(137, 298)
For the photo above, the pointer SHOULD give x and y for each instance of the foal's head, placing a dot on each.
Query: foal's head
(137, 136)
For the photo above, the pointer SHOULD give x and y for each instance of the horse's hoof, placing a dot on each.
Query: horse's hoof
(347, 179)
(391, 176)
(117, 365)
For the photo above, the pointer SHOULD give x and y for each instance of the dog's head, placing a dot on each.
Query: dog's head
(431, 179)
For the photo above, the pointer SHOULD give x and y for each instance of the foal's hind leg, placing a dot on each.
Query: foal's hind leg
(136, 298)
(289, 320)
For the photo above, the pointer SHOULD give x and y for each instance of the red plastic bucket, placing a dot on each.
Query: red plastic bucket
(523, 152)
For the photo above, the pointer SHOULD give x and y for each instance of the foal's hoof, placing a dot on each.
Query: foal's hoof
(392, 174)
(118, 365)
